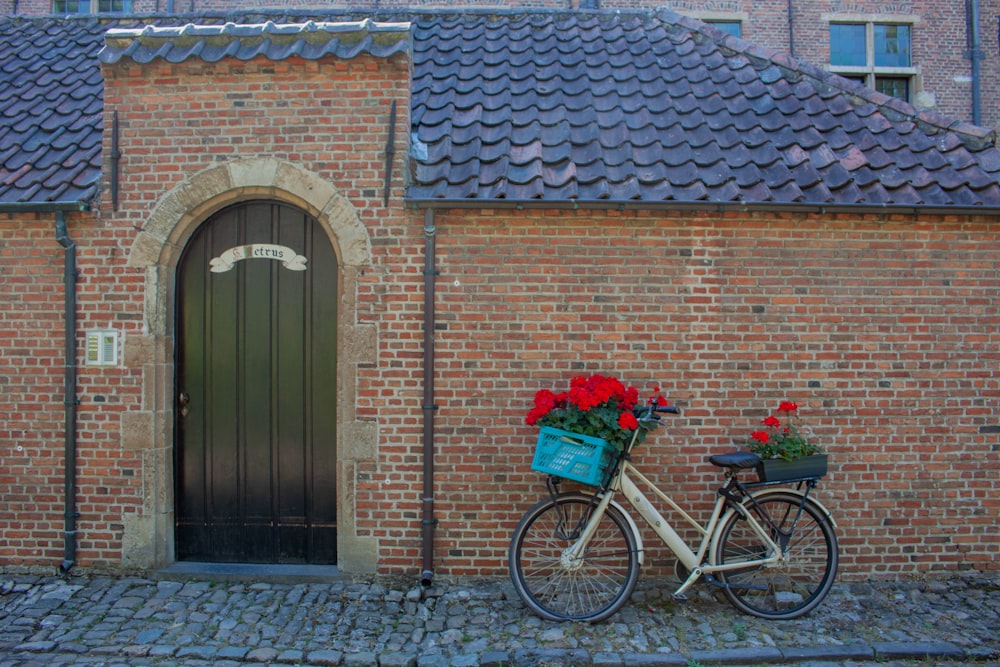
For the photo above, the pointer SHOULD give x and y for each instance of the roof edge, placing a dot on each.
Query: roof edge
(931, 122)
(632, 205)
(44, 207)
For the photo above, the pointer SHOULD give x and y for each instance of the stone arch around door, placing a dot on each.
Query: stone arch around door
(149, 536)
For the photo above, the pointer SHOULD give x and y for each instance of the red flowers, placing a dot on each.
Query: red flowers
(545, 402)
(597, 405)
(588, 393)
(585, 393)
(782, 438)
(628, 421)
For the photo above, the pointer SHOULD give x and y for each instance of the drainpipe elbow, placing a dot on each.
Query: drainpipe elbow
(62, 236)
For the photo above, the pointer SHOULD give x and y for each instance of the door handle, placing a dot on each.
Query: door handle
(183, 400)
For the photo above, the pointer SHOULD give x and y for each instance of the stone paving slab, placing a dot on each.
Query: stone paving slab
(83, 621)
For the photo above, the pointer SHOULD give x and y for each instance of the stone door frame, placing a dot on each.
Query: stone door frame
(148, 536)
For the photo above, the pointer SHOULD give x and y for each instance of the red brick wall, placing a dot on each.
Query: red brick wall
(32, 417)
(31, 375)
(110, 296)
(882, 329)
(328, 116)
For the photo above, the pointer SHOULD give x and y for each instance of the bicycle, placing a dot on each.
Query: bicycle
(771, 549)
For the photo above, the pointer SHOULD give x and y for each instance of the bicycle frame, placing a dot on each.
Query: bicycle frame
(695, 563)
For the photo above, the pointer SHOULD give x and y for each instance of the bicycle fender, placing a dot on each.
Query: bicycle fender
(797, 492)
(760, 494)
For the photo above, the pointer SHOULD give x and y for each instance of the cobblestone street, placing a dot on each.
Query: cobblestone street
(398, 623)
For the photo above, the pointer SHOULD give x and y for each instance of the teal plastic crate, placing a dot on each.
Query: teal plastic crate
(581, 458)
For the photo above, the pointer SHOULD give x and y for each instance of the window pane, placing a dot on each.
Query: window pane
(732, 27)
(71, 6)
(895, 87)
(847, 44)
(892, 45)
(114, 6)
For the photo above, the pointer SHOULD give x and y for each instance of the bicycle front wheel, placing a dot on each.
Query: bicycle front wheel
(590, 587)
(798, 582)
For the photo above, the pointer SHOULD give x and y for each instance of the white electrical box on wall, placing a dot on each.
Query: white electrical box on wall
(102, 348)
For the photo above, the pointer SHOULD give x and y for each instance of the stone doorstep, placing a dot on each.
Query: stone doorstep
(245, 573)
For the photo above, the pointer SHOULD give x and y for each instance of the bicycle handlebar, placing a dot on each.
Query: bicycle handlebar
(648, 411)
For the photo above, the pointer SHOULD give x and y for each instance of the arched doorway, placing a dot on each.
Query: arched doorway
(256, 368)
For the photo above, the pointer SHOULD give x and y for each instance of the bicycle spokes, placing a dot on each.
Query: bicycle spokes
(558, 577)
(783, 585)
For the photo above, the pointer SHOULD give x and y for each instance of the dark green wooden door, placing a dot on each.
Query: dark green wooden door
(256, 393)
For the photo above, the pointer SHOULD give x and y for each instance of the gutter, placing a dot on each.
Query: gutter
(427, 522)
(43, 207)
(718, 207)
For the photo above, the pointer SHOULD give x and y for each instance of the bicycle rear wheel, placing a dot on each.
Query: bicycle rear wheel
(589, 588)
(793, 586)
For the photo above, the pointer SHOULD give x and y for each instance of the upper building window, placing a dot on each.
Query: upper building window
(91, 6)
(734, 28)
(877, 54)
(728, 22)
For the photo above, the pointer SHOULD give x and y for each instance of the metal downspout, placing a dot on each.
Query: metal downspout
(976, 56)
(69, 297)
(428, 522)
(791, 30)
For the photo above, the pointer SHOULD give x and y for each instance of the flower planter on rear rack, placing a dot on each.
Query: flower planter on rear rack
(785, 452)
(581, 458)
(781, 470)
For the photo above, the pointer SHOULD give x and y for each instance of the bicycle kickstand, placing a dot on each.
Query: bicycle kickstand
(681, 593)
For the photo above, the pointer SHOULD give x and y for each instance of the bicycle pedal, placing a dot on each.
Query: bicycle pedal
(680, 598)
